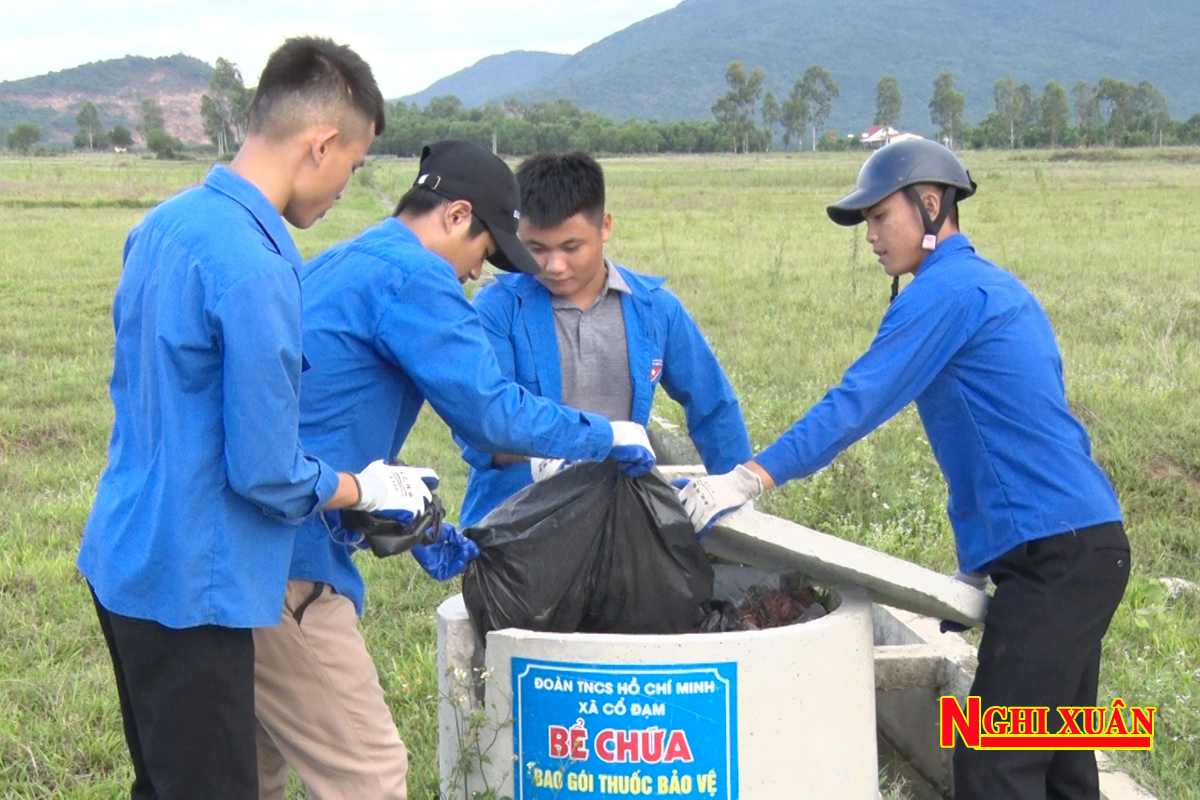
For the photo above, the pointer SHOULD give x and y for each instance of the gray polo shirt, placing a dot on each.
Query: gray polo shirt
(594, 352)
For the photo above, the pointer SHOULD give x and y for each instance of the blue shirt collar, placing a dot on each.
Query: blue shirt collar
(234, 186)
(957, 243)
(394, 227)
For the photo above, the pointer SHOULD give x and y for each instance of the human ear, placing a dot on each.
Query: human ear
(321, 141)
(605, 227)
(932, 200)
(458, 213)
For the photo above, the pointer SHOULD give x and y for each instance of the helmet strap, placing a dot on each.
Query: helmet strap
(932, 226)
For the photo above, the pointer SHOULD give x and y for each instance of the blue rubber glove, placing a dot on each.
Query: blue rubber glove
(448, 556)
(631, 449)
(340, 533)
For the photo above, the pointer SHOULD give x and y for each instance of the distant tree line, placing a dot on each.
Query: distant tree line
(516, 128)
(225, 111)
(92, 135)
(1112, 112)
(807, 106)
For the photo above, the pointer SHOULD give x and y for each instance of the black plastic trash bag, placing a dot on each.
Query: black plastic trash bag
(589, 550)
(390, 537)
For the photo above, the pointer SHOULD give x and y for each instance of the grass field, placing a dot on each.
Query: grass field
(787, 299)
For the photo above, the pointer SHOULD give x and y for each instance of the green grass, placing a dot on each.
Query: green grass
(787, 299)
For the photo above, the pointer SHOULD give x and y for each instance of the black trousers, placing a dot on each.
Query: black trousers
(1053, 602)
(187, 701)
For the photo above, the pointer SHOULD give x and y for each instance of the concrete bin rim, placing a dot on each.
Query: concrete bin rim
(846, 601)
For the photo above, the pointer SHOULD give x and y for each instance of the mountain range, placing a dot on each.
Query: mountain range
(117, 87)
(672, 65)
(493, 77)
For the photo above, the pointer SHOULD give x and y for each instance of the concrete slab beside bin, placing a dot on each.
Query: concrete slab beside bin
(810, 698)
(762, 540)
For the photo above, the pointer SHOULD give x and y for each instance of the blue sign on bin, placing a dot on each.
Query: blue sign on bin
(593, 730)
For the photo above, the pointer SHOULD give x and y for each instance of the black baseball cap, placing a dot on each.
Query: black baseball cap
(465, 171)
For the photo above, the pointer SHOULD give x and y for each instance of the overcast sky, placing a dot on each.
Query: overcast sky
(409, 43)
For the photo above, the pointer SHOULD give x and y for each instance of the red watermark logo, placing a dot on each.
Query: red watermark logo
(1025, 728)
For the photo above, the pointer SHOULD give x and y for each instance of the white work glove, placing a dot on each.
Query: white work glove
(976, 580)
(631, 449)
(384, 487)
(708, 499)
(543, 468)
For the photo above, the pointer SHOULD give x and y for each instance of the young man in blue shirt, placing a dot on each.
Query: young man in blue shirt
(1029, 506)
(187, 545)
(592, 334)
(387, 326)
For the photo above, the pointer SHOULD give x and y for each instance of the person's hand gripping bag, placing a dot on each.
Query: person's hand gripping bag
(589, 550)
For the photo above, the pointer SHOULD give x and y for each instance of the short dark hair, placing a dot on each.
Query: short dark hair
(419, 201)
(309, 80)
(555, 188)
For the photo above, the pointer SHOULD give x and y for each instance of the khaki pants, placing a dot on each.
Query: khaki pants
(319, 704)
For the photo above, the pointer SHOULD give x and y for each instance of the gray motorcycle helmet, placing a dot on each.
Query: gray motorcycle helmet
(897, 166)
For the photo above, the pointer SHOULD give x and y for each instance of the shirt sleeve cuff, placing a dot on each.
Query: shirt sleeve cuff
(476, 458)
(599, 436)
(327, 484)
(774, 461)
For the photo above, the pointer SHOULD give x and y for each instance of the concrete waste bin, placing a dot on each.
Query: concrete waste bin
(786, 712)
(775, 714)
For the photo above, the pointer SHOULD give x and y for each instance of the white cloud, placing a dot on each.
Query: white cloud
(409, 43)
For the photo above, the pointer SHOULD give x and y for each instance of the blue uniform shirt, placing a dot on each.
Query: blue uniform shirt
(665, 346)
(387, 326)
(205, 472)
(970, 344)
